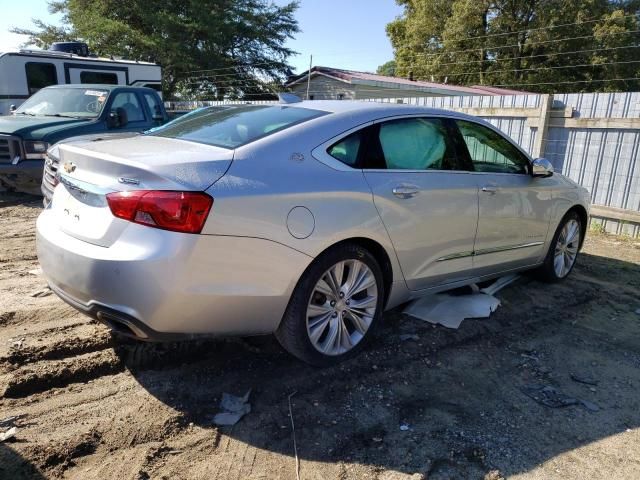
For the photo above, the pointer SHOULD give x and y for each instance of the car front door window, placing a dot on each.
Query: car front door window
(129, 101)
(489, 151)
(513, 207)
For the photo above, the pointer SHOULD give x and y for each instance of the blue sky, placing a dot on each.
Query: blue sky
(339, 33)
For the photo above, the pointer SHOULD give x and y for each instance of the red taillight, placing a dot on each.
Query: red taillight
(177, 211)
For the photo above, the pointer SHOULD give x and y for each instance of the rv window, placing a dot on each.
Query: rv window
(156, 86)
(99, 77)
(40, 75)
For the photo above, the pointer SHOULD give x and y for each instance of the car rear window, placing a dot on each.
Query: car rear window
(237, 126)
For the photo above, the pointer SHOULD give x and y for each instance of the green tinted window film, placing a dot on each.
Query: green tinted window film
(490, 151)
(346, 150)
(415, 144)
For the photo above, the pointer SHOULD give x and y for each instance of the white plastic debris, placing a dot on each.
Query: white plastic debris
(36, 271)
(45, 292)
(409, 336)
(8, 434)
(499, 284)
(404, 427)
(450, 310)
(233, 409)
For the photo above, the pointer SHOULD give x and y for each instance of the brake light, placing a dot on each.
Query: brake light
(176, 211)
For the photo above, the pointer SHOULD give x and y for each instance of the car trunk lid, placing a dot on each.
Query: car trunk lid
(89, 171)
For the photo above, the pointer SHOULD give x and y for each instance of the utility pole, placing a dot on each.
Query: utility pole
(309, 75)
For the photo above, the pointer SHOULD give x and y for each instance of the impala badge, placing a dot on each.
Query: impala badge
(69, 167)
(129, 181)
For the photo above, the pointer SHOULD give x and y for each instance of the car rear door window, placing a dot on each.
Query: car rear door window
(489, 151)
(415, 144)
(347, 149)
(402, 144)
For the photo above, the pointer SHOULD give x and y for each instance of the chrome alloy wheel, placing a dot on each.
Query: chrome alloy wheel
(342, 307)
(566, 248)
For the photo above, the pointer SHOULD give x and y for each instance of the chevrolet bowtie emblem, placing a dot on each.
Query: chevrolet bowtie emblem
(69, 167)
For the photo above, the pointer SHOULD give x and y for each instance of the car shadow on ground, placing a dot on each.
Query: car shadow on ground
(18, 467)
(11, 199)
(446, 403)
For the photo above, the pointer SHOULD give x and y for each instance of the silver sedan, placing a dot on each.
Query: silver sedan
(305, 219)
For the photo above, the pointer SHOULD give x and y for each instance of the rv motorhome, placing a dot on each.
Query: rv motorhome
(24, 72)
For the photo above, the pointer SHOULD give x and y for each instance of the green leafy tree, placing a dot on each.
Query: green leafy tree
(534, 45)
(387, 68)
(207, 48)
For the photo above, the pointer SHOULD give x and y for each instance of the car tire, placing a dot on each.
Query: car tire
(330, 319)
(563, 250)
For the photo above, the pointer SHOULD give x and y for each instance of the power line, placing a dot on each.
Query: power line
(567, 82)
(233, 78)
(225, 80)
(491, 35)
(538, 68)
(519, 45)
(244, 85)
(245, 65)
(499, 59)
(595, 20)
(375, 90)
(504, 59)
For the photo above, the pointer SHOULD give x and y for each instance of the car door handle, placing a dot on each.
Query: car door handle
(490, 189)
(405, 191)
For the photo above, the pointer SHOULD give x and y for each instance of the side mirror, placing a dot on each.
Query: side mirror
(117, 118)
(12, 108)
(541, 167)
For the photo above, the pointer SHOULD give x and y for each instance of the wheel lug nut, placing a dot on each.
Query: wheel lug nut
(348, 302)
(332, 303)
(341, 294)
(335, 314)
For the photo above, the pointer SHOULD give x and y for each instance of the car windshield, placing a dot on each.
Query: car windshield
(65, 102)
(233, 127)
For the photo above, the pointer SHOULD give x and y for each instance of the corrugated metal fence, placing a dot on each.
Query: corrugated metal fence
(593, 138)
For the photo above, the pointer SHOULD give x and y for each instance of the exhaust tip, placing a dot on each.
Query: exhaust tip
(121, 325)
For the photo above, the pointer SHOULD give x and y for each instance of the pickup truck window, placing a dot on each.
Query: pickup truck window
(40, 75)
(237, 126)
(65, 102)
(129, 101)
(154, 106)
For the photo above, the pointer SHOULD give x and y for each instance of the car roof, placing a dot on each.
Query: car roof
(374, 108)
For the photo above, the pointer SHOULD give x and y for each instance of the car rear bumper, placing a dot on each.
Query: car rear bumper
(159, 285)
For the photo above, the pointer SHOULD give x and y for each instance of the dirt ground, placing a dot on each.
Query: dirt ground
(92, 406)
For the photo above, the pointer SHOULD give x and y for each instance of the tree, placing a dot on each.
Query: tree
(207, 48)
(534, 45)
(388, 69)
